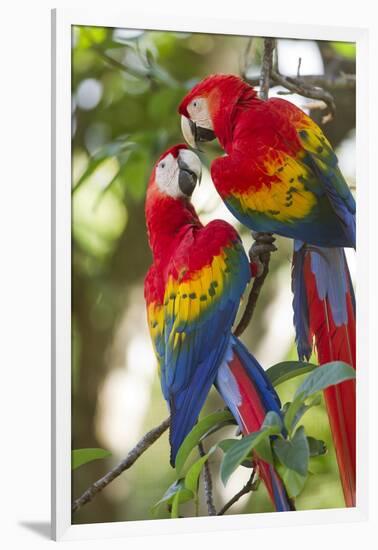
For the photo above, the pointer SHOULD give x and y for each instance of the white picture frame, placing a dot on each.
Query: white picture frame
(62, 21)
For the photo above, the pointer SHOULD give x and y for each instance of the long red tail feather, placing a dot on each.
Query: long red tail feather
(336, 343)
(250, 399)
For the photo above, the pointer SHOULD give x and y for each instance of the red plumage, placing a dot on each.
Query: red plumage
(192, 291)
(336, 343)
(252, 414)
(280, 175)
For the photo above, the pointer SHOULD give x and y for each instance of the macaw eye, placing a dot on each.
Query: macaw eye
(195, 103)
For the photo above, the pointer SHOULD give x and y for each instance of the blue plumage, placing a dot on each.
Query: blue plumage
(194, 350)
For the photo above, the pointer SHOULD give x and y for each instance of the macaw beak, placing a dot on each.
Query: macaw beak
(190, 171)
(194, 134)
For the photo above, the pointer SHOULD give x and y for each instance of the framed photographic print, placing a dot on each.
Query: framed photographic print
(208, 369)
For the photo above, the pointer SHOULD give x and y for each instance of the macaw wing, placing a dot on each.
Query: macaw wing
(155, 312)
(200, 305)
(267, 183)
(290, 182)
(320, 158)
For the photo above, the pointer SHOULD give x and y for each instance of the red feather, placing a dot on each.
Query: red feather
(252, 413)
(336, 343)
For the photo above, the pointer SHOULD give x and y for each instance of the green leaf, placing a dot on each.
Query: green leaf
(321, 378)
(297, 409)
(294, 453)
(272, 420)
(226, 444)
(183, 495)
(220, 419)
(83, 456)
(192, 476)
(288, 369)
(177, 487)
(293, 481)
(316, 447)
(264, 451)
(291, 413)
(240, 450)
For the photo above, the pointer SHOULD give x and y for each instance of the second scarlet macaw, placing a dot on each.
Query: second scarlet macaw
(280, 175)
(192, 293)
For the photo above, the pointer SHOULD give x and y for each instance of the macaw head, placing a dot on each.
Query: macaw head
(168, 206)
(206, 111)
(176, 173)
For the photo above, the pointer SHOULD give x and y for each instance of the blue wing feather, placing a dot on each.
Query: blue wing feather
(193, 350)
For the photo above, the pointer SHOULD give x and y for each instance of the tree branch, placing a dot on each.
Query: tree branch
(312, 86)
(253, 297)
(296, 85)
(248, 487)
(343, 81)
(147, 440)
(266, 68)
(208, 483)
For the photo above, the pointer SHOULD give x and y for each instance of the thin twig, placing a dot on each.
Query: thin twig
(147, 440)
(207, 483)
(248, 487)
(297, 86)
(312, 86)
(343, 81)
(299, 67)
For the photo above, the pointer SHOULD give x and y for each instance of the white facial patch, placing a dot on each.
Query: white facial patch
(166, 177)
(199, 113)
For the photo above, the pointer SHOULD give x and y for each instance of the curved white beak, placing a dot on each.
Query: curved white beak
(187, 132)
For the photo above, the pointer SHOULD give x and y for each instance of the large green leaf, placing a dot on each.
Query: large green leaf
(294, 453)
(226, 444)
(183, 495)
(297, 409)
(219, 419)
(264, 451)
(293, 481)
(281, 372)
(272, 419)
(192, 476)
(83, 456)
(321, 378)
(240, 450)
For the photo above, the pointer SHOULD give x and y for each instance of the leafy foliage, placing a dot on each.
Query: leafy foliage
(204, 427)
(281, 372)
(279, 441)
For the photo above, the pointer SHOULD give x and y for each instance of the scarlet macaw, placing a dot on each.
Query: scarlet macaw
(280, 175)
(192, 293)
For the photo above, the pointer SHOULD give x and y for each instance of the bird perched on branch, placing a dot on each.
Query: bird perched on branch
(192, 292)
(280, 175)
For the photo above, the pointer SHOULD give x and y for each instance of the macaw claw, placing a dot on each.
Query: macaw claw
(262, 247)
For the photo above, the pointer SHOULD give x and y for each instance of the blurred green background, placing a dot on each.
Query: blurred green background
(126, 86)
